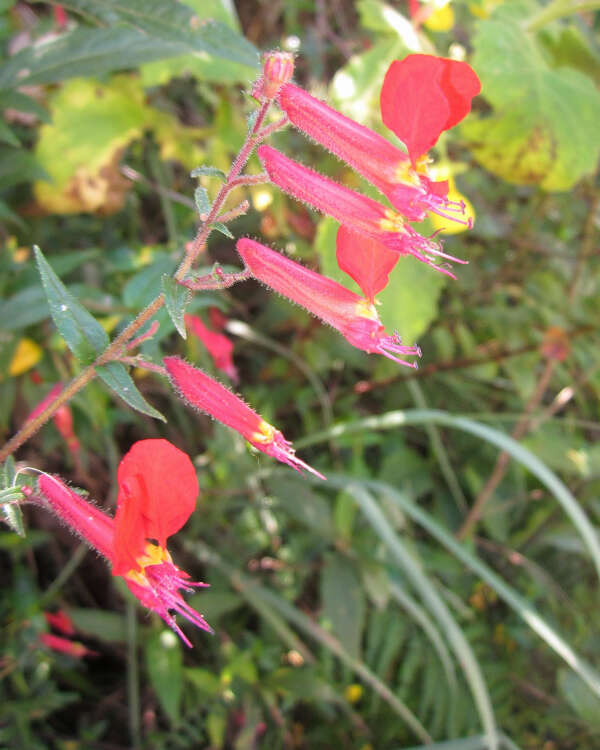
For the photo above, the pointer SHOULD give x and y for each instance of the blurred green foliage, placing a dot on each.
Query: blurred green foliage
(345, 613)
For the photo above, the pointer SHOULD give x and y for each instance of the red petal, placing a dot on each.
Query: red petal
(366, 260)
(157, 494)
(460, 84)
(424, 95)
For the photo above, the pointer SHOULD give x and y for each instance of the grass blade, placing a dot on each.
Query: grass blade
(499, 439)
(431, 598)
(293, 615)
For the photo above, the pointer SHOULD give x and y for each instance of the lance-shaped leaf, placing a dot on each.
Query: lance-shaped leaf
(176, 300)
(82, 333)
(118, 380)
(171, 21)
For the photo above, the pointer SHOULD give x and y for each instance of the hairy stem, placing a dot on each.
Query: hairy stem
(116, 349)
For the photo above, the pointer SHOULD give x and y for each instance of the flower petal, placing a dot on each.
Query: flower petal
(424, 95)
(157, 494)
(365, 260)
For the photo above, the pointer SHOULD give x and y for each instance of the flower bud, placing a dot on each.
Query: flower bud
(278, 68)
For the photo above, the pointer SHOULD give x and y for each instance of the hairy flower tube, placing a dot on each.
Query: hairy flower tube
(217, 344)
(157, 493)
(407, 187)
(213, 398)
(354, 316)
(356, 211)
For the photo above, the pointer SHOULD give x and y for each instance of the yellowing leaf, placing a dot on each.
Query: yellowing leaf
(27, 355)
(92, 123)
(544, 125)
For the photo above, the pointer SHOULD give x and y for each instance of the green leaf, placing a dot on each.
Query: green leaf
(107, 626)
(6, 214)
(581, 699)
(176, 299)
(84, 52)
(164, 662)
(343, 603)
(208, 67)
(22, 103)
(304, 505)
(208, 172)
(117, 379)
(9, 470)
(202, 200)
(7, 136)
(18, 165)
(171, 21)
(12, 515)
(223, 228)
(143, 287)
(82, 333)
(544, 129)
(24, 308)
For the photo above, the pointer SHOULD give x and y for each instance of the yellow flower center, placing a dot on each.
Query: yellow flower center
(393, 222)
(153, 555)
(265, 434)
(405, 174)
(364, 309)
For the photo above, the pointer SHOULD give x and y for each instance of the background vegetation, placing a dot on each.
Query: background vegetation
(374, 610)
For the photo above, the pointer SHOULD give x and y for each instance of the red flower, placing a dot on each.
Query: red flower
(358, 212)
(60, 621)
(371, 155)
(354, 317)
(424, 95)
(157, 493)
(65, 646)
(211, 397)
(62, 418)
(218, 345)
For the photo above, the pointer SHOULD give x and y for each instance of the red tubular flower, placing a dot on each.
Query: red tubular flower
(60, 621)
(353, 316)
(385, 166)
(424, 95)
(157, 494)
(218, 345)
(62, 418)
(65, 646)
(356, 211)
(211, 397)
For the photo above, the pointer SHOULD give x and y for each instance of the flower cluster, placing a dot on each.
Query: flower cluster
(422, 96)
(157, 494)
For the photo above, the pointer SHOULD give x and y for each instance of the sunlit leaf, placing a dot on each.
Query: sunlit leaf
(544, 128)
